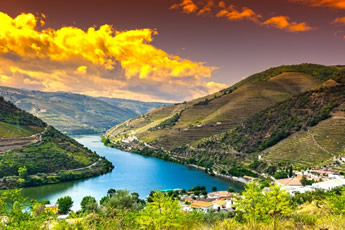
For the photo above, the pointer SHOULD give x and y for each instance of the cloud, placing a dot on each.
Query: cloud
(283, 22)
(215, 87)
(339, 4)
(98, 61)
(340, 20)
(207, 8)
(188, 6)
(232, 13)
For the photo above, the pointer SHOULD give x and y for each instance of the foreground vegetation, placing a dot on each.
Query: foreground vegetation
(254, 209)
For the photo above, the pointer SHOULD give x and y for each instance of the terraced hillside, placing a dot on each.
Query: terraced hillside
(46, 155)
(316, 145)
(74, 113)
(173, 126)
(272, 114)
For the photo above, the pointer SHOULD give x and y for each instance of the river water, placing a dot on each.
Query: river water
(134, 172)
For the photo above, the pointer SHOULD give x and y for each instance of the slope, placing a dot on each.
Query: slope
(48, 156)
(174, 126)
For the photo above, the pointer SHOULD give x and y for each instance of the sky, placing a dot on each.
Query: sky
(161, 50)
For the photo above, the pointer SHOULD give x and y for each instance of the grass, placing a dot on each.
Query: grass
(14, 131)
(316, 146)
(228, 108)
(55, 152)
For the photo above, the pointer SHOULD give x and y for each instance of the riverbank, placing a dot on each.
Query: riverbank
(161, 154)
(100, 167)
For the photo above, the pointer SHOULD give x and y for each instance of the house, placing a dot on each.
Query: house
(201, 206)
(130, 139)
(220, 195)
(53, 208)
(219, 205)
(330, 184)
(295, 181)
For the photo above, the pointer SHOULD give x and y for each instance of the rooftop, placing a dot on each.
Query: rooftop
(201, 204)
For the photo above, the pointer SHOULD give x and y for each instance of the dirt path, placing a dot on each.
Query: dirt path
(8, 144)
(318, 145)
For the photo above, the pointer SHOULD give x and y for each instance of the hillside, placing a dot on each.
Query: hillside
(45, 154)
(221, 111)
(74, 113)
(246, 118)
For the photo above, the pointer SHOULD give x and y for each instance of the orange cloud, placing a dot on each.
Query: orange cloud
(283, 22)
(340, 4)
(340, 20)
(101, 62)
(207, 8)
(188, 6)
(233, 14)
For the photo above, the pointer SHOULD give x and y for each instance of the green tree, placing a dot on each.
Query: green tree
(214, 188)
(277, 203)
(23, 172)
(122, 199)
(111, 192)
(89, 204)
(65, 204)
(162, 213)
(251, 205)
(337, 202)
(231, 189)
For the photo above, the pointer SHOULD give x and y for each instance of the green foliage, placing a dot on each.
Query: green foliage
(65, 204)
(89, 204)
(170, 121)
(9, 113)
(23, 172)
(280, 175)
(162, 213)
(240, 172)
(257, 206)
(337, 202)
(279, 121)
(122, 199)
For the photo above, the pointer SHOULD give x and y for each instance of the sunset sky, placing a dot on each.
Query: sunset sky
(161, 50)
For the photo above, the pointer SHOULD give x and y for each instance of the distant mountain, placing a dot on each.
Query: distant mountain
(34, 153)
(75, 113)
(138, 107)
(244, 120)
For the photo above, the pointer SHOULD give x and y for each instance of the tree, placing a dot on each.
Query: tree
(23, 172)
(214, 188)
(88, 204)
(337, 202)
(277, 203)
(231, 189)
(162, 213)
(111, 192)
(122, 199)
(290, 171)
(65, 204)
(251, 206)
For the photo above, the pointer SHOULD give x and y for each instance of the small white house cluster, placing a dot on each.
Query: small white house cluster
(217, 201)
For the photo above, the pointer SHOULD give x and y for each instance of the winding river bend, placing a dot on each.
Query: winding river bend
(134, 172)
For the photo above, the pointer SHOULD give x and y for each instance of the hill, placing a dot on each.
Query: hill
(239, 122)
(75, 113)
(45, 155)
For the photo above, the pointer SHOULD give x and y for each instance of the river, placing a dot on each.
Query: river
(134, 172)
